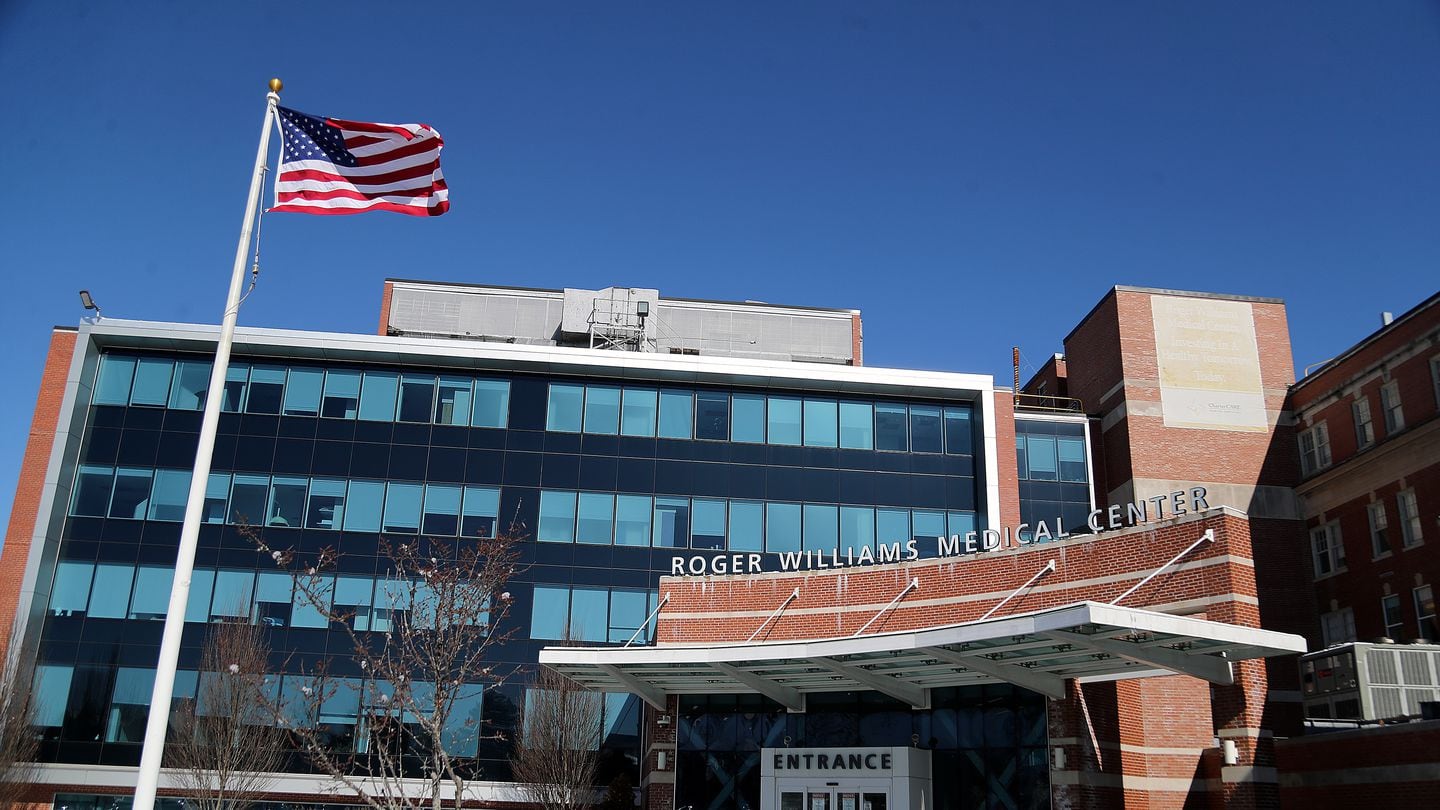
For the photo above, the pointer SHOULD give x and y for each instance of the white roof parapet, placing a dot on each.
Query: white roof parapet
(1037, 651)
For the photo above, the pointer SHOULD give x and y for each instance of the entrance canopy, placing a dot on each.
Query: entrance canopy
(1038, 651)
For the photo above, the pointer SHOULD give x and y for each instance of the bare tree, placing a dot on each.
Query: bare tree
(224, 744)
(414, 675)
(19, 742)
(556, 754)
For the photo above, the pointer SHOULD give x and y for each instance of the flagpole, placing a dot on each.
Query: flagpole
(155, 729)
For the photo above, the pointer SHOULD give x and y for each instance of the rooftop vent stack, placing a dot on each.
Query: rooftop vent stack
(1387, 318)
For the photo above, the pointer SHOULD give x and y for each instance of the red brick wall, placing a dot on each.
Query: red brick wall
(1385, 766)
(857, 341)
(30, 489)
(385, 307)
(1008, 471)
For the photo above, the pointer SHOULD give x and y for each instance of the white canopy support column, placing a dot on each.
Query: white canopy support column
(791, 699)
(1206, 667)
(644, 690)
(902, 691)
(1045, 684)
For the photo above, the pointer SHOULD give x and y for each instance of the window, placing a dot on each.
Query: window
(236, 383)
(1022, 460)
(441, 517)
(1379, 528)
(247, 499)
(628, 611)
(557, 517)
(960, 523)
(857, 426)
(602, 410)
(402, 507)
(1364, 425)
(171, 491)
(632, 520)
(782, 527)
(550, 612)
(202, 586)
(187, 391)
(363, 503)
(273, 594)
(480, 512)
(782, 421)
(341, 398)
(1327, 549)
(707, 523)
(353, 598)
(712, 415)
(589, 614)
(152, 382)
(596, 523)
(927, 525)
(1394, 619)
(52, 695)
(151, 600)
(671, 523)
(267, 385)
(302, 392)
(233, 592)
(747, 418)
(492, 404)
(1072, 459)
(287, 502)
(1410, 533)
(313, 601)
(129, 705)
(925, 429)
(821, 527)
(217, 487)
(112, 386)
(1314, 449)
(71, 591)
(890, 428)
(417, 398)
(92, 491)
(452, 406)
(675, 415)
(857, 529)
(1040, 455)
(637, 414)
(1425, 613)
(132, 493)
(892, 526)
(564, 408)
(959, 435)
(747, 526)
(1337, 626)
(1390, 407)
(821, 428)
(326, 509)
(110, 591)
(377, 396)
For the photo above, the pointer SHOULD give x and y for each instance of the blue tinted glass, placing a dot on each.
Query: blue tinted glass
(132, 493)
(589, 614)
(782, 527)
(202, 586)
(129, 705)
(112, 387)
(302, 392)
(480, 512)
(237, 379)
(267, 385)
(459, 737)
(453, 405)
(672, 523)
(637, 417)
(287, 501)
(857, 528)
(557, 517)
(342, 395)
(71, 591)
(402, 507)
(110, 591)
(927, 524)
(892, 526)
(783, 421)
(596, 518)
(1022, 461)
(187, 391)
(1040, 453)
(675, 415)
(602, 410)
(313, 602)
(52, 695)
(326, 509)
(417, 397)
(857, 426)
(632, 520)
(353, 598)
(925, 432)
(152, 382)
(959, 436)
(747, 526)
(628, 610)
(362, 506)
(171, 491)
(1072, 459)
(92, 490)
(377, 396)
(233, 595)
(565, 407)
(961, 523)
(217, 491)
(707, 523)
(442, 511)
(822, 526)
(890, 428)
(550, 612)
(492, 404)
(747, 418)
(272, 599)
(821, 428)
(152, 593)
(712, 415)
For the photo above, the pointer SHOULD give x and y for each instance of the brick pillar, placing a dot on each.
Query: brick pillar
(657, 785)
(1084, 726)
(1239, 715)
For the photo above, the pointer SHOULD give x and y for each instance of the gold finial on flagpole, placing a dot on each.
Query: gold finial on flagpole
(276, 85)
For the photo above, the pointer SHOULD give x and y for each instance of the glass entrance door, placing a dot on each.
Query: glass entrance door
(828, 797)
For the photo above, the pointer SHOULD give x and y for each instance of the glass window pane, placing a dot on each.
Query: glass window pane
(112, 386)
(377, 396)
(637, 417)
(217, 491)
(857, 529)
(783, 421)
(550, 612)
(589, 614)
(1022, 461)
(628, 610)
(110, 591)
(132, 493)
(492, 404)
(417, 397)
(602, 410)
(171, 491)
(52, 694)
(152, 593)
(565, 407)
(596, 518)
(925, 431)
(442, 510)
(202, 586)
(857, 426)
(267, 385)
(326, 509)
(707, 523)
(927, 524)
(821, 428)
(782, 527)
(71, 591)
(152, 382)
(632, 520)
(233, 592)
(747, 526)
(273, 592)
(453, 405)
(287, 502)
(353, 598)
(672, 523)
(362, 506)
(890, 433)
(959, 435)
(402, 507)
(822, 526)
(129, 705)
(92, 490)
(1071, 453)
(480, 513)
(960, 523)
(187, 391)
(1040, 452)
(892, 526)
(305, 610)
(342, 395)
(747, 418)
(675, 415)
(237, 381)
(712, 415)
(557, 517)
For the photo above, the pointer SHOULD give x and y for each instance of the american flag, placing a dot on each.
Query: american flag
(330, 166)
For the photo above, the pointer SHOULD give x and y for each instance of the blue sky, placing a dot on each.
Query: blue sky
(971, 175)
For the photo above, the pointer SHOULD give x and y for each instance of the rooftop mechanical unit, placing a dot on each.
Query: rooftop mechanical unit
(1362, 681)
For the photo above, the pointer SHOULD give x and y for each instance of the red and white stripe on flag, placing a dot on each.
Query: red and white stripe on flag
(333, 166)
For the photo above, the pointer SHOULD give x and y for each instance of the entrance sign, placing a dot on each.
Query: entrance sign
(845, 779)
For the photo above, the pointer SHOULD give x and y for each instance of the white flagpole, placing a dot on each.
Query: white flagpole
(155, 729)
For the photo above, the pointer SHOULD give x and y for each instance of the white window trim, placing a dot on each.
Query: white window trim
(1412, 528)
(1345, 618)
(1319, 437)
(1330, 534)
(1392, 409)
(1373, 510)
(1364, 429)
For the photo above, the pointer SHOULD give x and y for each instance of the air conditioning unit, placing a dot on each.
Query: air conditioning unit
(1362, 681)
